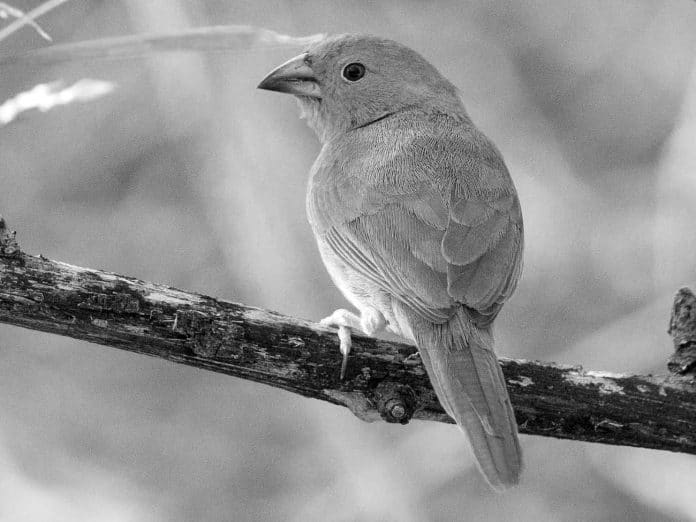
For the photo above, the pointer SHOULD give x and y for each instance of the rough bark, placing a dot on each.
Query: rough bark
(384, 380)
(682, 328)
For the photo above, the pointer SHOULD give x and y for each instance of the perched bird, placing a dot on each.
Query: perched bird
(417, 221)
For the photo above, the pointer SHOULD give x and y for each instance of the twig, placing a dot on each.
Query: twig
(29, 18)
(209, 39)
(383, 380)
(6, 10)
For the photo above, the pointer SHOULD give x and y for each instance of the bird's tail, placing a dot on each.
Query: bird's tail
(468, 381)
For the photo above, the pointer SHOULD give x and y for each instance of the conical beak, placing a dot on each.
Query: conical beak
(293, 77)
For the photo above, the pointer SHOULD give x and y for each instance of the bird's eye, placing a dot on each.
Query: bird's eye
(353, 71)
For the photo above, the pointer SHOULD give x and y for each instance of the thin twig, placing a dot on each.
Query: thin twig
(218, 38)
(30, 17)
(7, 10)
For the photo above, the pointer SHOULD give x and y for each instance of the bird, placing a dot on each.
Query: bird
(417, 221)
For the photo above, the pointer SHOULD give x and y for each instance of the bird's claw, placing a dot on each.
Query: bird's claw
(414, 359)
(344, 321)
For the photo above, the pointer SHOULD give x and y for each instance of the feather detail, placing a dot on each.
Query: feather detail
(469, 383)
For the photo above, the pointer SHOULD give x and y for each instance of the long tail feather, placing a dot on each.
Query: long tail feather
(468, 381)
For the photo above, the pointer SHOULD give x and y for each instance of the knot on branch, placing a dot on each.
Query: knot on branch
(8, 241)
(395, 402)
(682, 328)
(206, 336)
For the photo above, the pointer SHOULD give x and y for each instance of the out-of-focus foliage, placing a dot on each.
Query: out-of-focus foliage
(188, 175)
(46, 96)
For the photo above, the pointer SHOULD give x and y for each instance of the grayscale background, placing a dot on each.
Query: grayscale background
(189, 176)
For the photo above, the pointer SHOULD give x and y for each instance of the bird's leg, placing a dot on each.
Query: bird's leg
(371, 321)
(344, 321)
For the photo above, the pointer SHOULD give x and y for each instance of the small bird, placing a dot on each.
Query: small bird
(417, 221)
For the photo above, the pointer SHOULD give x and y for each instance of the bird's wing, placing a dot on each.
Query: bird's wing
(400, 253)
(483, 248)
(456, 237)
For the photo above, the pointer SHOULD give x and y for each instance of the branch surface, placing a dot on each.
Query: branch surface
(384, 380)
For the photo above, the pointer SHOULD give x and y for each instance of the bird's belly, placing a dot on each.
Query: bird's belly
(358, 289)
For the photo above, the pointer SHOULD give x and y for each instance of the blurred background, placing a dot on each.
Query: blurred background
(189, 176)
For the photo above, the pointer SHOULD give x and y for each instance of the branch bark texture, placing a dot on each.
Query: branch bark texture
(385, 380)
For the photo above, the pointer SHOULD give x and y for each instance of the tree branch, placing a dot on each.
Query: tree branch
(384, 379)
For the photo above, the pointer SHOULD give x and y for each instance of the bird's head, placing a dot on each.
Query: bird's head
(349, 81)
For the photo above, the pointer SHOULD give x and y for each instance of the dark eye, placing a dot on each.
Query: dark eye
(353, 71)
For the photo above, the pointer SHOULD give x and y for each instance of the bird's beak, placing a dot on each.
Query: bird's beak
(293, 77)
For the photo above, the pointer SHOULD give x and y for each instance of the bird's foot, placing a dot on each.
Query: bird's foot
(370, 321)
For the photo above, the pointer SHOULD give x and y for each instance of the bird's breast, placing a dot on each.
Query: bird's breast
(364, 171)
(341, 187)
